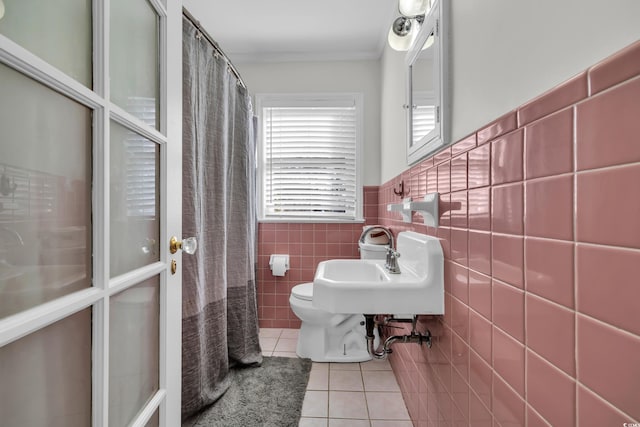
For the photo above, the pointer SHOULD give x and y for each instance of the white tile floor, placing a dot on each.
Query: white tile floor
(343, 394)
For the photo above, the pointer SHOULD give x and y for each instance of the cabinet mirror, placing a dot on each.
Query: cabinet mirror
(427, 89)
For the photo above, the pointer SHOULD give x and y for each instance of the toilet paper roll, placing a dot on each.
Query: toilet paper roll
(279, 264)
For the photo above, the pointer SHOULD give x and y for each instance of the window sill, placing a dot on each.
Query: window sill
(311, 220)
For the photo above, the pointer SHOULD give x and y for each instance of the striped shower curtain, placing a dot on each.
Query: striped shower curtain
(219, 318)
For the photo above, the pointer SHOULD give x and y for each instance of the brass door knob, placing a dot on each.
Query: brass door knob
(189, 245)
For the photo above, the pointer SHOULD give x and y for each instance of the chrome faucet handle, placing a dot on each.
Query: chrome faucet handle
(392, 261)
(388, 261)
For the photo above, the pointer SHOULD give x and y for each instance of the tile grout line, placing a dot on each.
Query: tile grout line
(574, 146)
(364, 393)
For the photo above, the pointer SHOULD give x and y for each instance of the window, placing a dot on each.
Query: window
(423, 116)
(141, 159)
(308, 153)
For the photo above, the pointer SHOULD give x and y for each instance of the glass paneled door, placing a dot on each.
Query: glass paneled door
(90, 195)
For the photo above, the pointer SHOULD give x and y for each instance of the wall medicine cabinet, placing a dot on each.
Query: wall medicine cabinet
(428, 118)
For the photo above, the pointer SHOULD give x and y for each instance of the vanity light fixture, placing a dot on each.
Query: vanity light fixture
(402, 33)
(405, 28)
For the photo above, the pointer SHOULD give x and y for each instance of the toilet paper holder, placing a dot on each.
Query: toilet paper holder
(279, 264)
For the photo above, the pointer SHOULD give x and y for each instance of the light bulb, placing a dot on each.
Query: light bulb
(402, 34)
(413, 8)
(1, 9)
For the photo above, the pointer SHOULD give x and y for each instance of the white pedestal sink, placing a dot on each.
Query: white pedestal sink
(365, 286)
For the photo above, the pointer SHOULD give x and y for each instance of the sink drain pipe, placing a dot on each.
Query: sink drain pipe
(384, 349)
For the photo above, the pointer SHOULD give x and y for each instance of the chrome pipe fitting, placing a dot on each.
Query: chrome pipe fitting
(384, 350)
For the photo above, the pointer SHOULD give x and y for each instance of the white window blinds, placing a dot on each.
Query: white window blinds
(424, 121)
(310, 165)
(142, 156)
(424, 115)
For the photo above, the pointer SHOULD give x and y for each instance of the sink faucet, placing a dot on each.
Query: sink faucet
(392, 261)
(13, 233)
(392, 256)
(380, 228)
(6, 247)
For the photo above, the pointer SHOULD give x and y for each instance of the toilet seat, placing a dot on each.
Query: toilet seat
(303, 291)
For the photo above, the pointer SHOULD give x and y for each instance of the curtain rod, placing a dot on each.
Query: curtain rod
(210, 39)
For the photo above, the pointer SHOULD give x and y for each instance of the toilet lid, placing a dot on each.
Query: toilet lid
(303, 291)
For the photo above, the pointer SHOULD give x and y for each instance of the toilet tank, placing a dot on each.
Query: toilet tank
(373, 243)
(372, 251)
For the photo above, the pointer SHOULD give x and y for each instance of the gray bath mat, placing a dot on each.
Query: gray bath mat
(270, 395)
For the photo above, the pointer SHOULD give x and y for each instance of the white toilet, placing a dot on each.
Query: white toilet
(330, 337)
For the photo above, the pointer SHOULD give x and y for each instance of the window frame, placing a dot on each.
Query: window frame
(267, 100)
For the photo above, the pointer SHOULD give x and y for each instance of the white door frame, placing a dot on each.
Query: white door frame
(169, 138)
(171, 367)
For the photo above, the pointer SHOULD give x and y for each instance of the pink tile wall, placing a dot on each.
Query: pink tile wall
(542, 273)
(307, 245)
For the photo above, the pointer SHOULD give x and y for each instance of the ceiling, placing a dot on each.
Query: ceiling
(296, 30)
